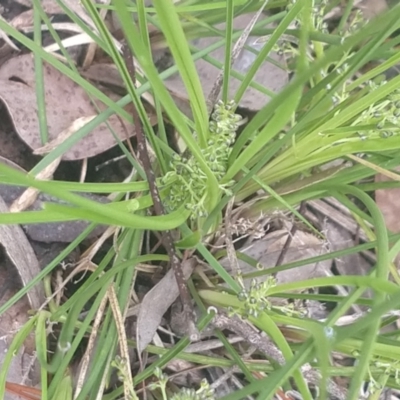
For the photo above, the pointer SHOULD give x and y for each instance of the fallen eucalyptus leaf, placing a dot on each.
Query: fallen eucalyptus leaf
(156, 302)
(24, 368)
(388, 203)
(66, 102)
(20, 252)
(64, 232)
(267, 250)
(269, 75)
(236, 51)
(104, 73)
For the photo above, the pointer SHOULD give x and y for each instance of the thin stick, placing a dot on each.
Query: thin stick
(85, 362)
(123, 344)
(159, 208)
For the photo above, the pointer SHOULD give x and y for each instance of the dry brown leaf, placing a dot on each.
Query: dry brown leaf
(66, 231)
(23, 20)
(104, 73)
(341, 232)
(24, 368)
(369, 9)
(20, 252)
(49, 6)
(26, 3)
(388, 202)
(237, 49)
(6, 51)
(11, 164)
(7, 41)
(66, 102)
(64, 135)
(268, 75)
(50, 232)
(13, 148)
(372, 8)
(267, 251)
(156, 302)
(186, 373)
(340, 239)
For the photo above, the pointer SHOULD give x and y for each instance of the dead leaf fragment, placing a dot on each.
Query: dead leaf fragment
(388, 202)
(156, 303)
(24, 368)
(20, 252)
(237, 49)
(64, 232)
(104, 73)
(66, 102)
(267, 251)
(269, 75)
(64, 135)
(372, 8)
(369, 8)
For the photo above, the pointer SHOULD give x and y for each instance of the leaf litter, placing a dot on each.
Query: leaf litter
(31, 247)
(66, 102)
(269, 75)
(50, 232)
(24, 369)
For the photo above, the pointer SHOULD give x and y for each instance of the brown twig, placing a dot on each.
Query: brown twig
(250, 334)
(159, 208)
(269, 348)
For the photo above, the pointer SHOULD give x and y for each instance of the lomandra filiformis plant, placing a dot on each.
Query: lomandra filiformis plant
(204, 392)
(189, 182)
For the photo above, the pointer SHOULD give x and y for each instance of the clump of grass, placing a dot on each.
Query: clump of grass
(332, 109)
(189, 183)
